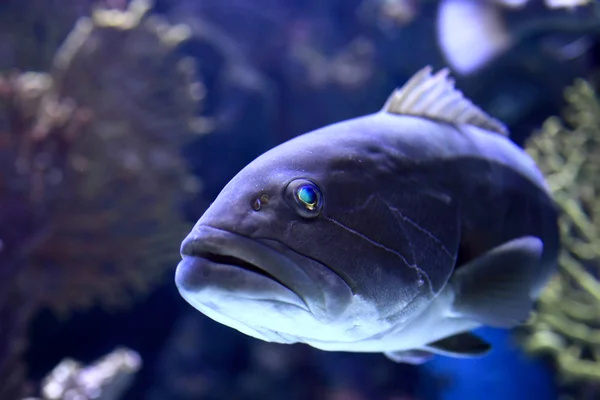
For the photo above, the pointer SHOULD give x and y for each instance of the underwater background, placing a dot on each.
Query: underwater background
(120, 121)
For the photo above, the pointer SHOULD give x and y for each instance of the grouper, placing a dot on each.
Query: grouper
(397, 232)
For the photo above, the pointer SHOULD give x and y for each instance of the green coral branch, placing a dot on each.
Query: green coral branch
(576, 270)
(567, 321)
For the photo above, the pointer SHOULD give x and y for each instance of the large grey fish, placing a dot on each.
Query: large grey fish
(397, 232)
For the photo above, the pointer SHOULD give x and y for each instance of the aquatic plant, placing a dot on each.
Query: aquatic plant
(91, 174)
(567, 321)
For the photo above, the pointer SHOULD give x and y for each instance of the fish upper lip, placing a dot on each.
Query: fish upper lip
(197, 248)
(207, 240)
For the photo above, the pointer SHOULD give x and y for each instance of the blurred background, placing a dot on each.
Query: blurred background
(120, 121)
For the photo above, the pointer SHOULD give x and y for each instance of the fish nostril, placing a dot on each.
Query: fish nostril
(259, 202)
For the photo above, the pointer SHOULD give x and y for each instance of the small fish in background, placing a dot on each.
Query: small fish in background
(397, 232)
(566, 3)
(472, 33)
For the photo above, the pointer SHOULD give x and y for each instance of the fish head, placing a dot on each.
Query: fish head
(298, 246)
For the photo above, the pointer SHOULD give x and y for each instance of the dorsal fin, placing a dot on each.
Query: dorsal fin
(434, 96)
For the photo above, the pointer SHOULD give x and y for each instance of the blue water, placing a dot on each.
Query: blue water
(506, 373)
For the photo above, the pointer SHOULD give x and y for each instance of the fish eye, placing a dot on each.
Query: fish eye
(308, 198)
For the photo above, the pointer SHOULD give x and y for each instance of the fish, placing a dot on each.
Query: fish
(473, 33)
(470, 48)
(397, 232)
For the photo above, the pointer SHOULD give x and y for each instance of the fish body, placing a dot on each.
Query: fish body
(396, 232)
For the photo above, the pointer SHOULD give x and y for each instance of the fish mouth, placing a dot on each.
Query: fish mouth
(219, 263)
(190, 249)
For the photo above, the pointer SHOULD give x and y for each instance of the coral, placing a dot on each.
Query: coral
(204, 360)
(351, 67)
(33, 135)
(567, 321)
(389, 15)
(30, 40)
(116, 225)
(105, 379)
(13, 329)
(91, 174)
(96, 204)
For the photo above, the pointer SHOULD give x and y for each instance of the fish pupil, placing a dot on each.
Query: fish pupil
(308, 196)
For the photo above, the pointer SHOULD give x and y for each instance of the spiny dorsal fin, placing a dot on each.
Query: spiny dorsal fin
(434, 96)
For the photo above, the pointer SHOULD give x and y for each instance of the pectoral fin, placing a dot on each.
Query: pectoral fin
(494, 289)
(462, 345)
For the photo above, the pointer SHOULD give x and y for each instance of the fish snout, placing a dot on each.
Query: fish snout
(220, 263)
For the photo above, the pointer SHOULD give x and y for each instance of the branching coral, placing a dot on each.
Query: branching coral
(30, 31)
(106, 379)
(90, 171)
(567, 322)
(117, 225)
(351, 67)
(13, 329)
(35, 132)
(100, 200)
